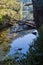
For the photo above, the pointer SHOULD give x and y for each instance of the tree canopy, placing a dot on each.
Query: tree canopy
(10, 7)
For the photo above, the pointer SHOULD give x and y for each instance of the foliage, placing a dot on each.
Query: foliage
(6, 18)
(35, 55)
(11, 8)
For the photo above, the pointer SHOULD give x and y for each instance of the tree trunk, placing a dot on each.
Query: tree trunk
(38, 12)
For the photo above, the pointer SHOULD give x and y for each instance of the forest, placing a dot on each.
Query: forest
(21, 39)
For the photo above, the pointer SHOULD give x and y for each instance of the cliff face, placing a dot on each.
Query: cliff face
(38, 12)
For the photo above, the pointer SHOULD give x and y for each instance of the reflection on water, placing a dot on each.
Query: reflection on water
(22, 43)
(5, 40)
(4, 43)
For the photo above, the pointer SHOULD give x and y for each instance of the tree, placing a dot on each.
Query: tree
(38, 12)
(11, 8)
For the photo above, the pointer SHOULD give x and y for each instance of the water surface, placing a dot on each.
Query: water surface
(22, 43)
